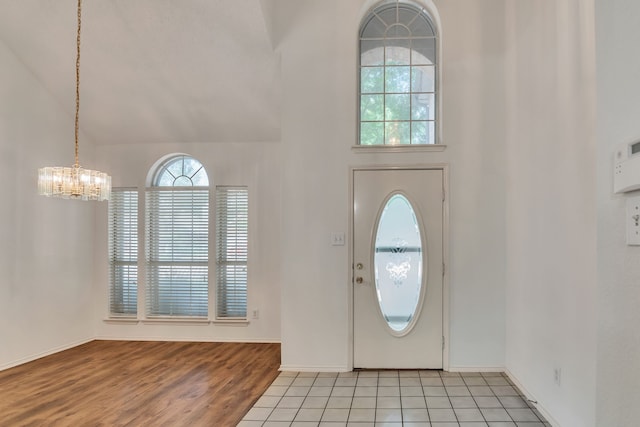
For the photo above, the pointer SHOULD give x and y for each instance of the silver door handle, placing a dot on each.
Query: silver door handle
(359, 280)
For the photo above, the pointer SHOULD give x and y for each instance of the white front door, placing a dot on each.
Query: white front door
(397, 268)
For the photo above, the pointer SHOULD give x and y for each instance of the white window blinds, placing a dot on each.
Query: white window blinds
(232, 226)
(123, 252)
(177, 237)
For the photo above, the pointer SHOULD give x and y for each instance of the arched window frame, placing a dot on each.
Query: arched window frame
(177, 239)
(389, 26)
(180, 171)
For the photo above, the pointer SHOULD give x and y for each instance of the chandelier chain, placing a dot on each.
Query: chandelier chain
(78, 81)
(75, 182)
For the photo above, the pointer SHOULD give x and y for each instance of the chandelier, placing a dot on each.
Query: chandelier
(74, 182)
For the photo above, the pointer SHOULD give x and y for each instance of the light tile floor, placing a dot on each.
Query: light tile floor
(392, 399)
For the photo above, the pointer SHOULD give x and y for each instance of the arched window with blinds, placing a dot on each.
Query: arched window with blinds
(177, 240)
(177, 253)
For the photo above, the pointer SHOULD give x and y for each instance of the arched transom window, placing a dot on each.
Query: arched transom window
(397, 76)
(181, 171)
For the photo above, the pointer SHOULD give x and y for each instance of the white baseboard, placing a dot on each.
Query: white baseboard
(532, 399)
(306, 368)
(37, 356)
(476, 369)
(163, 338)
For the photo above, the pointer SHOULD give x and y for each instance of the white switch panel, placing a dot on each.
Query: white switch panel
(633, 221)
(337, 239)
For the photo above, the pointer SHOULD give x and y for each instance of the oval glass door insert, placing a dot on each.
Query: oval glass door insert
(398, 264)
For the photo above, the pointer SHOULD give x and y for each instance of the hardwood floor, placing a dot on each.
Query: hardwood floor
(125, 383)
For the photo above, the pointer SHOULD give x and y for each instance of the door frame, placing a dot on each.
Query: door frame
(444, 167)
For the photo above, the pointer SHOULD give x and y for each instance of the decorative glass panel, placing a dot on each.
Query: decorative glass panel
(398, 263)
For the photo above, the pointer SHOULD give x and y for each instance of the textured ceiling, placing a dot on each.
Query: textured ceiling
(154, 70)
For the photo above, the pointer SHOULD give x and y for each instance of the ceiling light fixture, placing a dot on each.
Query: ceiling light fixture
(74, 182)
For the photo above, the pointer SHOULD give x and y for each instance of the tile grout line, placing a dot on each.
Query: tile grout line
(449, 397)
(304, 398)
(424, 397)
(400, 398)
(355, 380)
(352, 395)
(473, 397)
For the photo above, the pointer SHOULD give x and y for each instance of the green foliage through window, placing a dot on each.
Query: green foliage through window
(397, 76)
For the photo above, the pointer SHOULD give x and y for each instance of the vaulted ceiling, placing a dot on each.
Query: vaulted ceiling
(154, 70)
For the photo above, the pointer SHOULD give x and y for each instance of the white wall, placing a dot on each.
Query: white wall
(518, 118)
(256, 165)
(45, 244)
(618, 68)
(551, 207)
(318, 45)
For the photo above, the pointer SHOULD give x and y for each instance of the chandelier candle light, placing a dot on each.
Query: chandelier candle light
(74, 182)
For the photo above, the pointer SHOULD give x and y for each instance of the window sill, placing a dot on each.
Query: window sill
(175, 321)
(230, 322)
(115, 320)
(178, 320)
(398, 148)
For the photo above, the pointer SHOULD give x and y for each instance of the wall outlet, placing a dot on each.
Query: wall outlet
(557, 376)
(255, 314)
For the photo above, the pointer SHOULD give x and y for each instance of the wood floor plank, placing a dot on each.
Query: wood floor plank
(128, 383)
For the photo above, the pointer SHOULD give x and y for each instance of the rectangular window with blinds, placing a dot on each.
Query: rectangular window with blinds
(232, 227)
(177, 243)
(123, 252)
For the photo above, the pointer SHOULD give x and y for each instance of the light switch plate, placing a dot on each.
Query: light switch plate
(633, 221)
(337, 239)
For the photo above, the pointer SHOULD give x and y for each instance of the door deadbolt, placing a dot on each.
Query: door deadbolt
(359, 266)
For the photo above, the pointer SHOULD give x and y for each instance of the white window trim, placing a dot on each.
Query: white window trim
(175, 321)
(408, 148)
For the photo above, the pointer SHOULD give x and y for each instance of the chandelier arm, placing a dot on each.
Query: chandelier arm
(77, 165)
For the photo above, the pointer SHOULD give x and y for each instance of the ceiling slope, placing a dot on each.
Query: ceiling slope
(154, 71)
